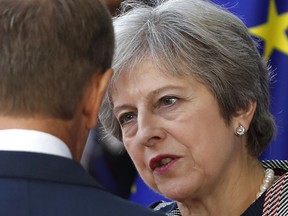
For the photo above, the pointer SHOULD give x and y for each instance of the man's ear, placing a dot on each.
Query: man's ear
(245, 116)
(93, 99)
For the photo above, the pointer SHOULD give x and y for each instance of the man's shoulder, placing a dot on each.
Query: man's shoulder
(60, 186)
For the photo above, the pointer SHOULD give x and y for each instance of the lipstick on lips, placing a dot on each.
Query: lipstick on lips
(162, 163)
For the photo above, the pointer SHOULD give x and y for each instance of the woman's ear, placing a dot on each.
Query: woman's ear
(93, 99)
(245, 116)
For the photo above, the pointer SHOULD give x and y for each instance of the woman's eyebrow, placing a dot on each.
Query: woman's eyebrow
(155, 92)
(164, 88)
(121, 107)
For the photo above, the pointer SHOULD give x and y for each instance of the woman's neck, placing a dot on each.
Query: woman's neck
(232, 194)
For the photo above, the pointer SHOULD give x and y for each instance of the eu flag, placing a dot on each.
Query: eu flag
(267, 21)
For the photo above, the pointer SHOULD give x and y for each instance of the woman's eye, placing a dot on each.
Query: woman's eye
(166, 101)
(126, 117)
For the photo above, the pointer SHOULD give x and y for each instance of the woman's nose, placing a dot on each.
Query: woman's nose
(150, 130)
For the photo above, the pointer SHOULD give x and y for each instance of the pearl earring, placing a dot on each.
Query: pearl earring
(240, 130)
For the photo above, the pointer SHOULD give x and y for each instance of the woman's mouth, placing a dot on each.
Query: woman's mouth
(162, 163)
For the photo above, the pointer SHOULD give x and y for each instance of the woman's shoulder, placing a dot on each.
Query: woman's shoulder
(169, 208)
(277, 195)
(280, 166)
(279, 188)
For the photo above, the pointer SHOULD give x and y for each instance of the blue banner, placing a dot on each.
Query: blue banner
(267, 21)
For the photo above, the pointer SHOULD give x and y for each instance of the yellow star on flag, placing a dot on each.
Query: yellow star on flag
(273, 32)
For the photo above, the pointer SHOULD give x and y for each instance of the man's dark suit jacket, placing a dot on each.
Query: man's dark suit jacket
(34, 184)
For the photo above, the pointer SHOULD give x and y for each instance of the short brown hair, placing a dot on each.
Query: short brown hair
(49, 51)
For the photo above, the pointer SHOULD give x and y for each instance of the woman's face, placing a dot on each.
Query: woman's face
(173, 131)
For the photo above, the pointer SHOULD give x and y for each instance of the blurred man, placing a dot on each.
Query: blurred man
(55, 60)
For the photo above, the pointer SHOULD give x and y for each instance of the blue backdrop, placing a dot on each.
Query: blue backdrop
(267, 21)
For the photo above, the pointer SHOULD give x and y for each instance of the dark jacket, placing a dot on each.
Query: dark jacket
(34, 184)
